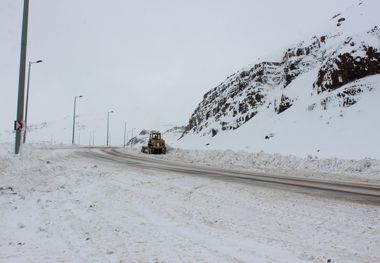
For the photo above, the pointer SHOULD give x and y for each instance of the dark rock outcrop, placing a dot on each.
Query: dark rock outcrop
(285, 103)
(341, 68)
(237, 97)
(346, 68)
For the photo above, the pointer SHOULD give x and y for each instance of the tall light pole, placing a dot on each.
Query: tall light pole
(108, 125)
(21, 80)
(27, 98)
(75, 105)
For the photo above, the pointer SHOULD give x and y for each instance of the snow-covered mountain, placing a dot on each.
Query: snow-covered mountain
(318, 97)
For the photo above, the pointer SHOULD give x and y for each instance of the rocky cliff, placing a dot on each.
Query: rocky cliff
(341, 55)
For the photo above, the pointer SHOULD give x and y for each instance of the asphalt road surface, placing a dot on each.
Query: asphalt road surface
(361, 192)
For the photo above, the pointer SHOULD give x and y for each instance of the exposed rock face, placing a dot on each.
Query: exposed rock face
(285, 103)
(236, 98)
(347, 96)
(339, 59)
(302, 58)
(341, 68)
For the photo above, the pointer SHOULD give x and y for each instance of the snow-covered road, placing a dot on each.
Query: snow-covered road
(56, 206)
(361, 191)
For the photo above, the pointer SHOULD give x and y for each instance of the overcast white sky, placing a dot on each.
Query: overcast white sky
(149, 60)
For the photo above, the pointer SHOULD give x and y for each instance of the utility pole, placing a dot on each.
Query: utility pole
(27, 98)
(75, 104)
(108, 125)
(21, 80)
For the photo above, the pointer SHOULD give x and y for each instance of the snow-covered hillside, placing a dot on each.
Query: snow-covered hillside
(317, 97)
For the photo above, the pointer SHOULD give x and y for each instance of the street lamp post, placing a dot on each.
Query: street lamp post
(21, 81)
(75, 104)
(108, 125)
(27, 98)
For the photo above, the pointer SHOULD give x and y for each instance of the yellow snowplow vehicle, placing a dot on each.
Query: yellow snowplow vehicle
(156, 145)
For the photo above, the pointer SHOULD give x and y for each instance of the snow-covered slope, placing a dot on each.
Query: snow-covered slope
(319, 97)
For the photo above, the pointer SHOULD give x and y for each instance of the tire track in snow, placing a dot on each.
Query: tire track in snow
(351, 191)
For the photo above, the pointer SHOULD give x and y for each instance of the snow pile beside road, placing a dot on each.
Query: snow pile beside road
(329, 168)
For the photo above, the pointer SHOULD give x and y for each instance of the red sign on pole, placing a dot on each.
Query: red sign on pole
(19, 125)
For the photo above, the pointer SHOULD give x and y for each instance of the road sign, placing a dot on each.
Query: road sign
(19, 125)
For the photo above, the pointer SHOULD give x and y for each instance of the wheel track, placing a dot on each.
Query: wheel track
(358, 191)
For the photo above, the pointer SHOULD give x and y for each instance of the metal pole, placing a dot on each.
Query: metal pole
(21, 81)
(74, 116)
(108, 125)
(27, 99)
(108, 120)
(125, 132)
(75, 102)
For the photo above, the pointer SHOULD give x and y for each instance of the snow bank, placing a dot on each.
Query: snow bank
(364, 170)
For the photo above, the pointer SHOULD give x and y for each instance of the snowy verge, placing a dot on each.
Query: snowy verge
(364, 170)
